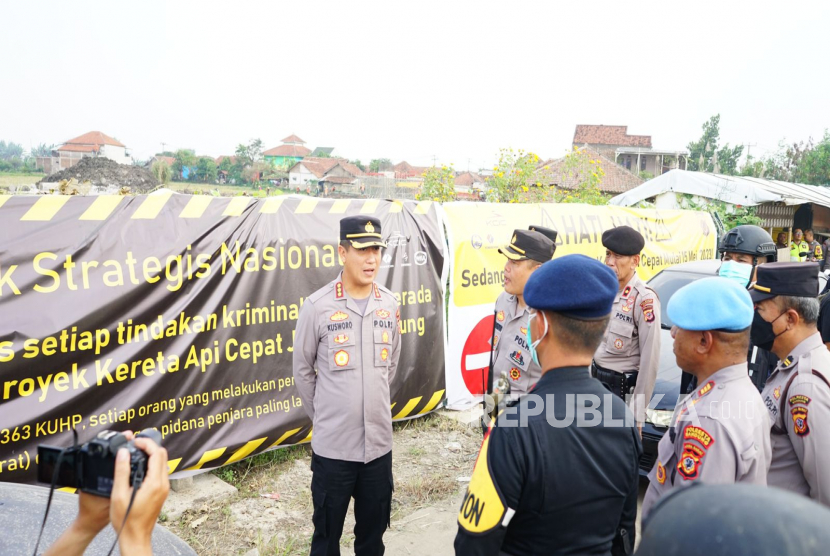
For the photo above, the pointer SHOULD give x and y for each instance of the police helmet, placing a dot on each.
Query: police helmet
(737, 519)
(748, 239)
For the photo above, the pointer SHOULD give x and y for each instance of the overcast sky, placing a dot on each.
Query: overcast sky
(411, 80)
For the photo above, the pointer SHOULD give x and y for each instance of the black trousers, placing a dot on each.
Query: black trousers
(333, 484)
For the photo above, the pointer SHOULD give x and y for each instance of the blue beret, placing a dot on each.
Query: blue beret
(574, 285)
(711, 304)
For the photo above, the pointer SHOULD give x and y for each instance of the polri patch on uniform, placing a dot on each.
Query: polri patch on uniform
(384, 354)
(777, 392)
(618, 343)
(338, 316)
(517, 358)
(799, 399)
(341, 339)
(384, 337)
(696, 433)
(661, 473)
(690, 460)
(341, 358)
(515, 373)
(500, 316)
(800, 426)
(523, 330)
(382, 313)
(626, 306)
(626, 291)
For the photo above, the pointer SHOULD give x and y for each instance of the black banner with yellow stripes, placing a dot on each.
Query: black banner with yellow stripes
(178, 312)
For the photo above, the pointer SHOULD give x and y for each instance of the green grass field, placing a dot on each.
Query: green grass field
(18, 179)
(224, 190)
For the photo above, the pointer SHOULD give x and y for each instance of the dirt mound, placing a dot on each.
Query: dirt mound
(105, 172)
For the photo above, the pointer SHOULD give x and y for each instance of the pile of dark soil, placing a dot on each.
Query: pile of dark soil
(106, 172)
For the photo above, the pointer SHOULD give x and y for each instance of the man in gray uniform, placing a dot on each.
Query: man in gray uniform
(627, 359)
(797, 394)
(348, 332)
(525, 253)
(720, 432)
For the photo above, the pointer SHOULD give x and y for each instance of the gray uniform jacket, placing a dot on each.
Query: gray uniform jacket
(800, 421)
(511, 352)
(355, 356)
(632, 340)
(719, 436)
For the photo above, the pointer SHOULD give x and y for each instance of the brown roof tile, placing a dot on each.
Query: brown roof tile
(468, 179)
(92, 138)
(293, 139)
(609, 135)
(616, 180)
(288, 150)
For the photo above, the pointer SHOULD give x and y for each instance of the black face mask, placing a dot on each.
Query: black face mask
(761, 334)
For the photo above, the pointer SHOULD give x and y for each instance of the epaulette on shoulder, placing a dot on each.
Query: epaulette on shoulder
(321, 293)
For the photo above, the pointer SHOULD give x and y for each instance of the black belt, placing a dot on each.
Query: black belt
(620, 383)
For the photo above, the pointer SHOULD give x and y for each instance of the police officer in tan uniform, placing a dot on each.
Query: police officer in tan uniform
(525, 253)
(348, 333)
(627, 359)
(797, 394)
(719, 433)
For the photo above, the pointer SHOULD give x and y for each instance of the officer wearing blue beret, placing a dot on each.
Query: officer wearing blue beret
(720, 432)
(548, 479)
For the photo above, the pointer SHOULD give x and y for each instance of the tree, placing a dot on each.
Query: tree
(438, 185)
(357, 163)
(42, 150)
(513, 177)
(10, 150)
(206, 170)
(380, 165)
(583, 171)
(161, 170)
(815, 166)
(246, 155)
(185, 158)
(705, 156)
(253, 173)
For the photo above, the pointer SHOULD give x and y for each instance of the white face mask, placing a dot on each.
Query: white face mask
(739, 272)
(532, 345)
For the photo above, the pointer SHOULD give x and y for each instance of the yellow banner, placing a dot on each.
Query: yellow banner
(477, 230)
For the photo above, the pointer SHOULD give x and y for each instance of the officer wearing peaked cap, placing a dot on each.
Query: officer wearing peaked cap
(627, 359)
(547, 232)
(719, 432)
(797, 393)
(346, 352)
(545, 483)
(525, 253)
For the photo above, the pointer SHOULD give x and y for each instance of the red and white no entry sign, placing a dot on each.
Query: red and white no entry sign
(475, 357)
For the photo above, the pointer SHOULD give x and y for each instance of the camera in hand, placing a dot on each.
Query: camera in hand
(90, 467)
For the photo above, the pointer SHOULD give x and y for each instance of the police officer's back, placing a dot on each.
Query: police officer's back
(542, 484)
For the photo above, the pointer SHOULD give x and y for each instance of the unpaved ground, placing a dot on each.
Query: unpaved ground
(433, 458)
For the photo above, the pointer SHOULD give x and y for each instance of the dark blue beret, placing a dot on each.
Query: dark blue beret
(574, 285)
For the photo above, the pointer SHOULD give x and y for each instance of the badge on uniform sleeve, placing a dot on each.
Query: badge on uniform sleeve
(804, 400)
(515, 373)
(341, 358)
(618, 343)
(800, 426)
(661, 473)
(699, 434)
(500, 316)
(689, 464)
(648, 309)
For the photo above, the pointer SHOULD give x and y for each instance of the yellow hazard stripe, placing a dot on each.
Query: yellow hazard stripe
(237, 206)
(307, 438)
(245, 450)
(370, 206)
(45, 208)
(339, 206)
(151, 207)
(4, 198)
(172, 464)
(306, 206)
(208, 456)
(407, 409)
(396, 206)
(196, 206)
(271, 205)
(70, 490)
(422, 207)
(102, 207)
(282, 439)
(433, 401)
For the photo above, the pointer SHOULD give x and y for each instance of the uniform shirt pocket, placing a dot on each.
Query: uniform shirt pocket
(342, 351)
(382, 346)
(620, 338)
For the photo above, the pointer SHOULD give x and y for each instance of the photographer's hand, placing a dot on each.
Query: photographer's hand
(93, 516)
(137, 531)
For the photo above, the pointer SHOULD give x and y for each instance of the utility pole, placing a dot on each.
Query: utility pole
(748, 147)
(163, 145)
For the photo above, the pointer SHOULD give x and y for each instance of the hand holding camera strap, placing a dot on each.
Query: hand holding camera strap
(55, 476)
(138, 478)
